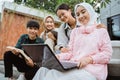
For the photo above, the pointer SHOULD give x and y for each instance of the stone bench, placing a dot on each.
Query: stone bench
(114, 67)
(114, 64)
(15, 72)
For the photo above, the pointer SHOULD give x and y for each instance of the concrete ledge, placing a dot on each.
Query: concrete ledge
(115, 43)
(28, 11)
(114, 61)
(15, 72)
(114, 67)
(114, 64)
(116, 49)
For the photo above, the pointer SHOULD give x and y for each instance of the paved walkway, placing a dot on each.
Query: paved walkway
(1, 71)
(2, 77)
(15, 72)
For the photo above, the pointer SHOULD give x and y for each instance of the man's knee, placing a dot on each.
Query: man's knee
(7, 54)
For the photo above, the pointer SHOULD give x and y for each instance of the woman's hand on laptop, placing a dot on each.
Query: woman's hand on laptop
(64, 50)
(58, 57)
(85, 61)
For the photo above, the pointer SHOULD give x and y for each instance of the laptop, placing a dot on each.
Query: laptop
(34, 51)
(42, 53)
(52, 62)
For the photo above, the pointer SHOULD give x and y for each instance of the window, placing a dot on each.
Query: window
(114, 27)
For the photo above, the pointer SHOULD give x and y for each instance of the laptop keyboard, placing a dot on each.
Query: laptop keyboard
(68, 64)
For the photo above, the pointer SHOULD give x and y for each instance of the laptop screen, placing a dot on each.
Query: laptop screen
(34, 51)
(50, 61)
(42, 53)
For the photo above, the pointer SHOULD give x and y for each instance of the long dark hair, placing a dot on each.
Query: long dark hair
(55, 34)
(64, 6)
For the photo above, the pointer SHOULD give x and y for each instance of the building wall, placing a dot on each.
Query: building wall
(111, 9)
(0, 23)
(13, 25)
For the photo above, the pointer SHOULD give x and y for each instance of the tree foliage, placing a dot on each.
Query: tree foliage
(51, 5)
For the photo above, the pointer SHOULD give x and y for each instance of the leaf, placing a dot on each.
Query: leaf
(107, 1)
(50, 5)
(102, 4)
(91, 1)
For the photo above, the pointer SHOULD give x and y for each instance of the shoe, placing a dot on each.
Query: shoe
(21, 77)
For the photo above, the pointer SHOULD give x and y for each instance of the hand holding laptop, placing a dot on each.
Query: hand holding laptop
(16, 51)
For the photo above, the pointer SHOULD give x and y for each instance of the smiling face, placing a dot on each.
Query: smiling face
(49, 24)
(82, 15)
(64, 15)
(32, 32)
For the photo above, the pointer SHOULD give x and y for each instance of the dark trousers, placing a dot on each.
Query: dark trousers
(11, 59)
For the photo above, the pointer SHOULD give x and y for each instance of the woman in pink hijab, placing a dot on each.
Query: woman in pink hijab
(89, 47)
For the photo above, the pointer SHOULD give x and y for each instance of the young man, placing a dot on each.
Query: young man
(13, 56)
